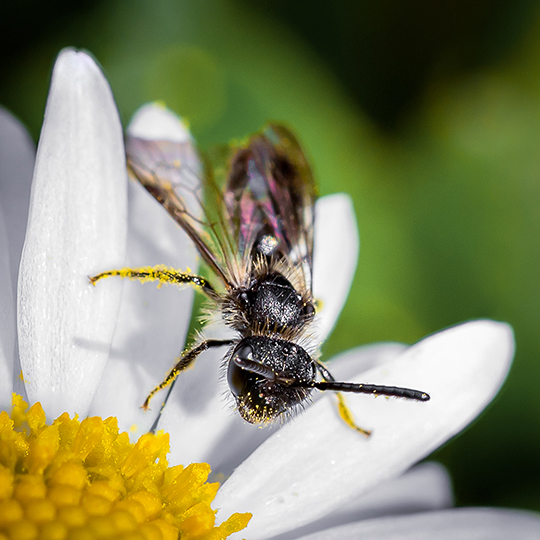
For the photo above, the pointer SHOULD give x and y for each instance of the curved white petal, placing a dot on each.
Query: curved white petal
(77, 226)
(316, 464)
(426, 487)
(17, 156)
(16, 166)
(335, 255)
(152, 322)
(8, 335)
(347, 365)
(455, 524)
(154, 121)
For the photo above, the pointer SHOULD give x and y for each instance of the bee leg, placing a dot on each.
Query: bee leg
(184, 361)
(162, 274)
(343, 409)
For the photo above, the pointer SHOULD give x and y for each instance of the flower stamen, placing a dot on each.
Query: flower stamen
(84, 479)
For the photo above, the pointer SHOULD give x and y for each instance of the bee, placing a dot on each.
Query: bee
(256, 236)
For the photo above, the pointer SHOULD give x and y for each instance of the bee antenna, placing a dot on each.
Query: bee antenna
(377, 390)
(255, 367)
(360, 388)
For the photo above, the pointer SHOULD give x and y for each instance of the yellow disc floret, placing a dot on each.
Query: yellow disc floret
(85, 480)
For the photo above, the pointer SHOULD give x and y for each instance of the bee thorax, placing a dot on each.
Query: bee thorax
(274, 304)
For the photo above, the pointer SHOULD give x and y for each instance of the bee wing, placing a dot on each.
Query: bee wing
(171, 172)
(270, 190)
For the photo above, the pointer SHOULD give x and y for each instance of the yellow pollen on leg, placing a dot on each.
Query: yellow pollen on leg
(85, 480)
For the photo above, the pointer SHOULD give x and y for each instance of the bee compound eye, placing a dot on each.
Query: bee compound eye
(236, 376)
(309, 311)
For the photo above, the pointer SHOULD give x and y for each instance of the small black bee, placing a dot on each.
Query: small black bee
(256, 235)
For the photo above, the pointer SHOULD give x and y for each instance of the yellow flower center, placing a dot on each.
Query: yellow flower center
(85, 480)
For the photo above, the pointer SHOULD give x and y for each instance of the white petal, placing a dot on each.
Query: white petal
(16, 166)
(426, 487)
(77, 226)
(7, 322)
(316, 463)
(456, 524)
(152, 322)
(335, 255)
(347, 365)
(155, 122)
(17, 156)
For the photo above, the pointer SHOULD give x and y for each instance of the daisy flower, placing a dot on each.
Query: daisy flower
(69, 478)
(97, 351)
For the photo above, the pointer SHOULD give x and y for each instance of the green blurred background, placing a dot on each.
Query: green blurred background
(427, 113)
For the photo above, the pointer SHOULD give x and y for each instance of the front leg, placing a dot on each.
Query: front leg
(162, 274)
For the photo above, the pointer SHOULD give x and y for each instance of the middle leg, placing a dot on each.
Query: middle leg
(184, 361)
(343, 409)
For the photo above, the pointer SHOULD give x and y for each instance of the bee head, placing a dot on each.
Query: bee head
(264, 374)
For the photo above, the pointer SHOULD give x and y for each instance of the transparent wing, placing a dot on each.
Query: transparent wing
(171, 172)
(270, 191)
